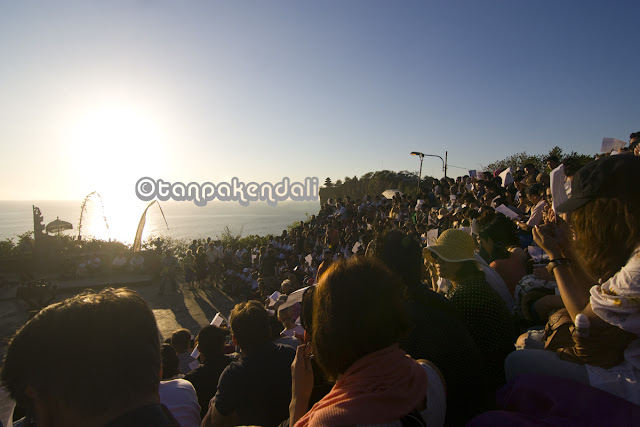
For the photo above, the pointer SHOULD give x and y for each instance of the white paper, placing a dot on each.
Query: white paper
(610, 144)
(274, 297)
(309, 259)
(432, 236)
(356, 247)
(217, 320)
(537, 254)
(507, 212)
(507, 177)
(294, 298)
(195, 353)
(194, 365)
(557, 185)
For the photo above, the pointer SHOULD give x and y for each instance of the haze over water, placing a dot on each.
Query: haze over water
(185, 220)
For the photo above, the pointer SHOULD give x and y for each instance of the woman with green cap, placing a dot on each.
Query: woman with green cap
(488, 320)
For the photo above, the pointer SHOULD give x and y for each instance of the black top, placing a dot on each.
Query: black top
(205, 380)
(489, 322)
(257, 387)
(437, 333)
(146, 416)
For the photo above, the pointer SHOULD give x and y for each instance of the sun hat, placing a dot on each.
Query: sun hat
(454, 245)
(608, 177)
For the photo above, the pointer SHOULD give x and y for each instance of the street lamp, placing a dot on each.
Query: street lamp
(444, 163)
(416, 153)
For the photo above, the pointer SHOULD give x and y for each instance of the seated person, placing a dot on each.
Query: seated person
(358, 317)
(499, 246)
(436, 330)
(178, 395)
(211, 344)
(256, 388)
(93, 264)
(85, 382)
(486, 316)
(181, 342)
(119, 263)
(287, 317)
(81, 269)
(136, 264)
(536, 196)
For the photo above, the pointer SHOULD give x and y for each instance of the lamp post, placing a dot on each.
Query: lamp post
(444, 163)
(416, 153)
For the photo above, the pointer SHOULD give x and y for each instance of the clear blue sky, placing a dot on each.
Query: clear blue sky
(96, 94)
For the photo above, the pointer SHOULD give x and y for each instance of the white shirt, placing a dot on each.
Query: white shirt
(181, 399)
(617, 302)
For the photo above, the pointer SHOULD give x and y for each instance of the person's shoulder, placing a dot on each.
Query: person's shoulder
(284, 350)
(235, 369)
(176, 384)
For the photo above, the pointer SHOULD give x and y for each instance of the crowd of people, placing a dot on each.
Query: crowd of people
(418, 310)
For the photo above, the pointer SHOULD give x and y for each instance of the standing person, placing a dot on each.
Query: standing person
(605, 219)
(168, 272)
(188, 264)
(201, 266)
(267, 268)
(212, 258)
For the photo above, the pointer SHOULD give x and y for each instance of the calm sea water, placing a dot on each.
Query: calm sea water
(185, 220)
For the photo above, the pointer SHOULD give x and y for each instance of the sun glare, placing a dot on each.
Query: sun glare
(112, 144)
(112, 134)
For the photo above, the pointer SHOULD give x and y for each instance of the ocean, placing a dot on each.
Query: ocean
(185, 220)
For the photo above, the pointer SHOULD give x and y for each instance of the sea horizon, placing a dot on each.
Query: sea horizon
(185, 220)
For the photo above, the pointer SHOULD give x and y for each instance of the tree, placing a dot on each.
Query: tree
(519, 160)
(516, 161)
(328, 183)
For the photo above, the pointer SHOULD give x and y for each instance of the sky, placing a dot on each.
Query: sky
(95, 95)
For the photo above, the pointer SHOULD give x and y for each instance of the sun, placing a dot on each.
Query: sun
(112, 133)
(112, 144)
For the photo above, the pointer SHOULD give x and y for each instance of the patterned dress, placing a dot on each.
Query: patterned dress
(489, 322)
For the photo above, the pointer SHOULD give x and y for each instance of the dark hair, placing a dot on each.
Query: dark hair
(469, 269)
(97, 352)
(211, 341)
(402, 254)
(357, 309)
(502, 231)
(170, 361)
(306, 310)
(180, 340)
(276, 327)
(571, 166)
(536, 189)
(250, 325)
(607, 233)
